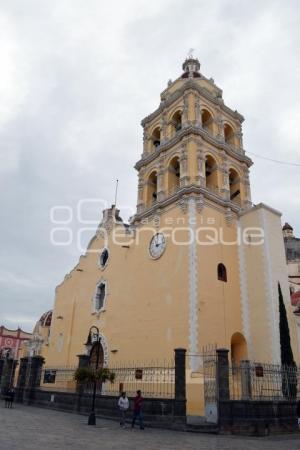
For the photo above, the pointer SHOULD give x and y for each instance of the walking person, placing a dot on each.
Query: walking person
(7, 397)
(123, 405)
(298, 412)
(11, 397)
(138, 409)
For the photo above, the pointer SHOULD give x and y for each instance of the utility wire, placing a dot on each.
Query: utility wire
(286, 163)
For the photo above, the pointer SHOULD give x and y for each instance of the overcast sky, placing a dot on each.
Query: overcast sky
(77, 77)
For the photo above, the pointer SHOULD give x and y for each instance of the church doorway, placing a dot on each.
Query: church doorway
(238, 348)
(93, 356)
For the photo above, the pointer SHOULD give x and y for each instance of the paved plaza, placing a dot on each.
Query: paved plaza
(28, 427)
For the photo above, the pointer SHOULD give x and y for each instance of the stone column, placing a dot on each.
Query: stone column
(200, 177)
(225, 189)
(163, 128)
(245, 182)
(180, 385)
(220, 128)
(184, 178)
(160, 182)
(185, 111)
(33, 378)
(239, 139)
(146, 140)
(222, 375)
(198, 118)
(140, 202)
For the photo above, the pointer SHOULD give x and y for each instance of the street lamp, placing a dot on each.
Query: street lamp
(93, 338)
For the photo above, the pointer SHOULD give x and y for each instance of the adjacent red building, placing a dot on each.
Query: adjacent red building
(11, 342)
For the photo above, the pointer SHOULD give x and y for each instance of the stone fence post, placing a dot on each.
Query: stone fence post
(8, 373)
(33, 378)
(21, 382)
(222, 374)
(180, 386)
(1, 368)
(83, 361)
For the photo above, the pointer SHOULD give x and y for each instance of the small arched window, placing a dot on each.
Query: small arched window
(222, 273)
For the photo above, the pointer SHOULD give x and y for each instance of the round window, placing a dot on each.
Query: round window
(103, 258)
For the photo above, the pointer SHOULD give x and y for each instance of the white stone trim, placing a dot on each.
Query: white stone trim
(245, 307)
(103, 308)
(272, 317)
(193, 287)
(105, 349)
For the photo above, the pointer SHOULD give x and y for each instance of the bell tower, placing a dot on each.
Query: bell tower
(193, 146)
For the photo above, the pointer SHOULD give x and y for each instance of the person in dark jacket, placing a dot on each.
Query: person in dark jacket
(11, 397)
(298, 413)
(7, 397)
(137, 409)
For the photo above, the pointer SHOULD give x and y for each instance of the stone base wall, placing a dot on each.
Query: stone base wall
(257, 418)
(157, 412)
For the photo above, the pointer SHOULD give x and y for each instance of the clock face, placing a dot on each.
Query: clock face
(157, 245)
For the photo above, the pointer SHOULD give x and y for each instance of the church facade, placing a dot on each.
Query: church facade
(197, 265)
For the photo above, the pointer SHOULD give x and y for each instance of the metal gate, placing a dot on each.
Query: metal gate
(210, 384)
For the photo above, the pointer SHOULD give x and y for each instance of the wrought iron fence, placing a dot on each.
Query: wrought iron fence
(155, 381)
(256, 381)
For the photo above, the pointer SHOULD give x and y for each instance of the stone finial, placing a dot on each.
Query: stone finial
(287, 230)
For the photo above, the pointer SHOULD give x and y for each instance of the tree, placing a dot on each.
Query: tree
(88, 374)
(289, 369)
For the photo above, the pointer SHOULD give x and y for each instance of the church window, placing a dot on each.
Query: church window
(100, 296)
(103, 259)
(222, 273)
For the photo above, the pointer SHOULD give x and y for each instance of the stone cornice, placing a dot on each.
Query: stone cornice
(192, 85)
(182, 193)
(198, 132)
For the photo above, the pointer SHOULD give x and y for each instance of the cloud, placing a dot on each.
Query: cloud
(76, 79)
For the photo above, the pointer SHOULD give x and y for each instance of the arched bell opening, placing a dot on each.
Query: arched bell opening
(174, 175)
(152, 189)
(234, 186)
(211, 173)
(207, 121)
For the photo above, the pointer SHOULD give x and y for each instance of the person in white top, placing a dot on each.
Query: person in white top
(123, 405)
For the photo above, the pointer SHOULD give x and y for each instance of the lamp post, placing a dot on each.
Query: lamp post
(94, 338)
